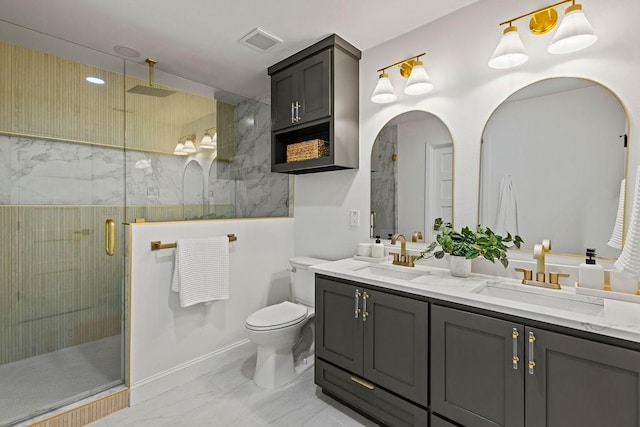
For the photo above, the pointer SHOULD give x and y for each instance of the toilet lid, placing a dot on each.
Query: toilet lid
(277, 316)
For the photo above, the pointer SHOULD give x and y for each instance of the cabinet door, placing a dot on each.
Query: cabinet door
(474, 381)
(396, 354)
(314, 87)
(338, 324)
(576, 382)
(283, 95)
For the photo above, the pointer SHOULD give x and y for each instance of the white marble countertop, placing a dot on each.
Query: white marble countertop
(603, 316)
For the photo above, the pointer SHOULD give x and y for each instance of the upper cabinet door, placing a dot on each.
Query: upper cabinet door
(314, 96)
(576, 382)
(475, 378)
(396, 345)
(302, 92)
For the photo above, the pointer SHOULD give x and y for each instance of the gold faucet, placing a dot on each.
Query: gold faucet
(402, 258)
(416, 236)
(539, 252)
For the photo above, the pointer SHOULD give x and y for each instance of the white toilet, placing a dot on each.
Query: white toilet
(284, 332)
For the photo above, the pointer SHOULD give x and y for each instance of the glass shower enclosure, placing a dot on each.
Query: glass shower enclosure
(62, 208)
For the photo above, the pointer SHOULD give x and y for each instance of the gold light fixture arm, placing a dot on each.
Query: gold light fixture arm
(542, 9)
(411, 58)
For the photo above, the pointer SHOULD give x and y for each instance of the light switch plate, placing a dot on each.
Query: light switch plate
(354, 218)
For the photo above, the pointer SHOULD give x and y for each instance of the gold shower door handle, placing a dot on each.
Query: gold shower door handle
(110, 237)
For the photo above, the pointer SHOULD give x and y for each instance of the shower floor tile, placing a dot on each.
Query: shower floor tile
(38, 384)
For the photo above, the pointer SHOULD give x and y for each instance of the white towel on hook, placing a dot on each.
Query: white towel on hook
(507, 214)
(628, 262)
(201, 271)
(616, 235)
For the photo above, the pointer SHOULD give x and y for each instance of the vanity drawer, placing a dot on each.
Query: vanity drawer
(368, 398)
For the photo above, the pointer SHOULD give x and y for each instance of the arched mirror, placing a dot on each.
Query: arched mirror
(193, 191)
(553, 160)
(411, 176)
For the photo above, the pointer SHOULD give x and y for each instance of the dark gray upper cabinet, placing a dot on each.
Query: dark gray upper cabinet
(560, 380)
(314, 95)
(377, 336)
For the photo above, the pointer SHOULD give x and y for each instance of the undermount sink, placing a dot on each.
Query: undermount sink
(542, 297)
(388, 271)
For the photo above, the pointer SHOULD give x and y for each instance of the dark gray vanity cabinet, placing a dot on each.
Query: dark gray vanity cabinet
(490, 372)
(314, 95)
(379, 338)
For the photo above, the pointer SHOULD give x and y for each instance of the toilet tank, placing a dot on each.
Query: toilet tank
(303, 280)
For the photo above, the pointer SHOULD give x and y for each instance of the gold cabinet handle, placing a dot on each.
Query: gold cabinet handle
(365, 314)
(532, 363)
(363, 383)
(514, 335)
(357, 302)
(110, 237)
(293, 111)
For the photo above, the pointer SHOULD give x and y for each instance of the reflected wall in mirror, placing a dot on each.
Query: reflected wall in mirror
(193, 191)
(553, 158)
(411, 176)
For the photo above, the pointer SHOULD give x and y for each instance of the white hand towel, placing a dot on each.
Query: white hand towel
(628, 262)
(616, 236)
(201, 271)
(507, 213)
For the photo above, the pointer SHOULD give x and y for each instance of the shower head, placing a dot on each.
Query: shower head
(151, 90)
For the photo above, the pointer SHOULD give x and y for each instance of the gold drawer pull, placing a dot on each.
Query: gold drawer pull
(363, 383)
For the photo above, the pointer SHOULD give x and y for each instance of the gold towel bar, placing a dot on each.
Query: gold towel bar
(157, 244)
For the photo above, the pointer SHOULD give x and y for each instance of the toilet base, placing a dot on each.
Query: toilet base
(274, 367)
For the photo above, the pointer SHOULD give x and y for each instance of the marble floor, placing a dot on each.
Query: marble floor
(228, 397)
(38, 384)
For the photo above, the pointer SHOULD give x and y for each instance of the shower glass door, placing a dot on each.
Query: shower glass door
(62, 177)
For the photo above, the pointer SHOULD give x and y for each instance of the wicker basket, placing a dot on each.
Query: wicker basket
(312, 149)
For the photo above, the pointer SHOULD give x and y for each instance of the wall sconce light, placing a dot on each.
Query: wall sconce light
(189, 146)
(574, 33)
(411, 68)
(209, 142)
(179, 150)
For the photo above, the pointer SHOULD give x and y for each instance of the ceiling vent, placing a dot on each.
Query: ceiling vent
(258, 39)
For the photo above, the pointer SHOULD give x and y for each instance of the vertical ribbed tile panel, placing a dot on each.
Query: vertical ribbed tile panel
(52, 99)
(88, 413)
(6, 87)
(58, 286)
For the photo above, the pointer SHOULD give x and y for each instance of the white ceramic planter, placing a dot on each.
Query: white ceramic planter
(459, 266)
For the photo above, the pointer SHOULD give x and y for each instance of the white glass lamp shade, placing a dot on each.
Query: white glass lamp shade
(510, 51)
(574, 33)
(207, 142)
(179, 150)
(419, 81)
(383, 93)
(189, 147)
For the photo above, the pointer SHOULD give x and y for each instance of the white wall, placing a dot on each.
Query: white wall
(170, 344)
(466, 93)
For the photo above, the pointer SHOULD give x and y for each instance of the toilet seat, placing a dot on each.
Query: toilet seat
(277, 316)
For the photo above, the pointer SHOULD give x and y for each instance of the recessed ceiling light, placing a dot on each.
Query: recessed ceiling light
(129, 52)
(95, 80)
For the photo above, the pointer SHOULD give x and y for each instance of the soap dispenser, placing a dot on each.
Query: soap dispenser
(377, 249)
(590, 274)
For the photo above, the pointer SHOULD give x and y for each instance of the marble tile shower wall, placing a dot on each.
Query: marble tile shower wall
(383, 182)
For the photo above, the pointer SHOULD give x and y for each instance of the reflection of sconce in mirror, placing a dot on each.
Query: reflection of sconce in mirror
(185, 145)
(145, 165)
(209, 142)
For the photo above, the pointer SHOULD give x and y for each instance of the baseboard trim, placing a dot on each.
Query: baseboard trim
(178, 375)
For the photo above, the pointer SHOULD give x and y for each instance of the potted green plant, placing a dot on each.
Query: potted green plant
(467, 244)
